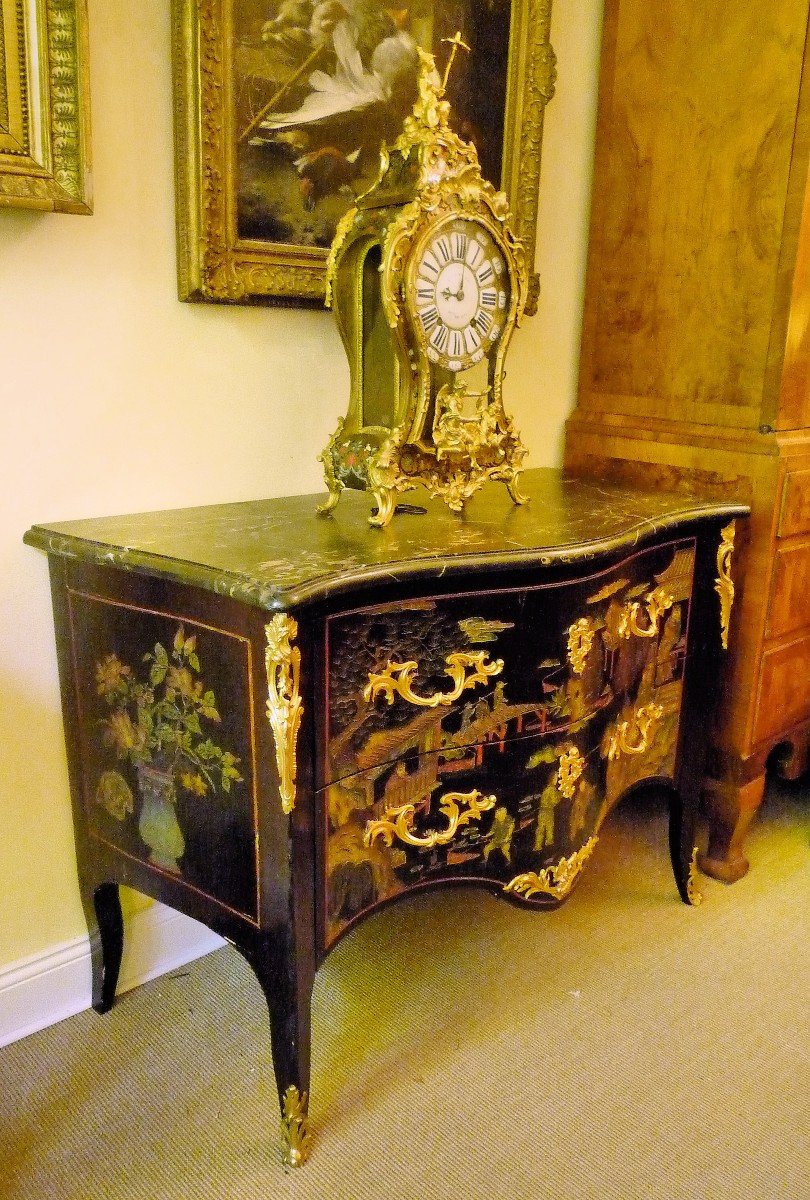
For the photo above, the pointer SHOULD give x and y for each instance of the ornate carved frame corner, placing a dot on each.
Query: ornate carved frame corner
(44, 106)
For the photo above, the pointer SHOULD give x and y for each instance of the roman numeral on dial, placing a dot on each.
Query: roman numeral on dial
(471, 339)
(474, 253)
(460, 243)
(430, 318)
(443, 250)
(482, 322)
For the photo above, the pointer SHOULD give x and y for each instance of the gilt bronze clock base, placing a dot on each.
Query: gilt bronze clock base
(382, 462)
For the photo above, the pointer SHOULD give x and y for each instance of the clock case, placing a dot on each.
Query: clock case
(410, 421)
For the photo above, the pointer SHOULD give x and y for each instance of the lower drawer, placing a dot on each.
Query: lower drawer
(519, 814)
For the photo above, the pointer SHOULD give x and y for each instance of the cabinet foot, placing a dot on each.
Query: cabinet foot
(792, 757)
(730, 809)
(682, 847)
(105, 924)
(296, 1139)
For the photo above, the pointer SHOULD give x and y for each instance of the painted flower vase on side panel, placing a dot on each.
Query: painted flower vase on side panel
(158, 825)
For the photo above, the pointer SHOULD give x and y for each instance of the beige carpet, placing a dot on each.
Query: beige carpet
(624, 1047)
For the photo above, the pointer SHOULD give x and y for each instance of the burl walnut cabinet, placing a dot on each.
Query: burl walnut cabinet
(278, 722)
(695, 369)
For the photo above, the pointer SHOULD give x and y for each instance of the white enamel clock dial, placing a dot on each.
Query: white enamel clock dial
(461, 294)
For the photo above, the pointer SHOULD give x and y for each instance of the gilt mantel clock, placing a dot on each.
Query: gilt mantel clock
(428, 282)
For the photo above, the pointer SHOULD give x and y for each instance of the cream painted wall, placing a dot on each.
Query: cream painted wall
(115, 397)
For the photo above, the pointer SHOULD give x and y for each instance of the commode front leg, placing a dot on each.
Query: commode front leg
(682, 847)
(287, 987)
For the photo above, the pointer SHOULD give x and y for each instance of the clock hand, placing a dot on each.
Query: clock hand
(459, 295)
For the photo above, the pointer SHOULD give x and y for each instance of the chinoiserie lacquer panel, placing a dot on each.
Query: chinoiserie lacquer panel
(486, 736)
(168, 760)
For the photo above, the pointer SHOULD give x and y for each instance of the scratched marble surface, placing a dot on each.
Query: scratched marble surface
(277, 553)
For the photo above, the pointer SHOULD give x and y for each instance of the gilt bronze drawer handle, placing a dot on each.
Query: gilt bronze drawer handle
(465, 668)
(724, 585)
(555, 881)
(656, 603)
(634, 736)
(398, 822)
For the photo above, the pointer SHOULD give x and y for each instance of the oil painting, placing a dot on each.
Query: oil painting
(282, 107)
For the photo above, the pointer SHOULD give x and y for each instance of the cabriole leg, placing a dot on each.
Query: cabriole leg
(287, 989)
(105, 924)
(682, 848)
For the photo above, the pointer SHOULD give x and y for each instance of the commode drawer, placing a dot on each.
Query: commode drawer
(449, 671)
(511, 778)
(521, 815)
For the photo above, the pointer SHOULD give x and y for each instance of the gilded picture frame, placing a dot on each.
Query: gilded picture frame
(44, 106)
(259, 191)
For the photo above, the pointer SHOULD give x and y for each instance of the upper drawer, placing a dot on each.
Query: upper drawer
(794, 516)
(450, 671)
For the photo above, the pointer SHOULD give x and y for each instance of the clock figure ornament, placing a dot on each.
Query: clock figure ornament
(427, 281)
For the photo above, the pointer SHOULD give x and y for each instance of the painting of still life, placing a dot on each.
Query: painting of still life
(292, 101)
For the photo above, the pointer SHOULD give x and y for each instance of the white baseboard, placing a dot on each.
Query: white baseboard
(47, 987)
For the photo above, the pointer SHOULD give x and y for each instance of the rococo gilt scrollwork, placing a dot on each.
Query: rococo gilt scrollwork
(555, 881)
(397, 823)
(655, 604)
(724, 584)
(465, 668)
(569, 771)
(296, 1140)
(634, 735)
(284, 707)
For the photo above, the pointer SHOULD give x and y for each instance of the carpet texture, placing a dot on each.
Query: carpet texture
(625, 1047)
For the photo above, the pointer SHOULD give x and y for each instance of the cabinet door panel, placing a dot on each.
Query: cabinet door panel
(795, 513)
(784, 690)
(789, 609)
